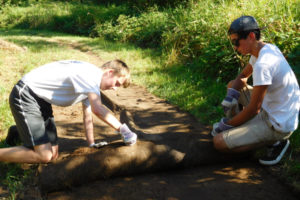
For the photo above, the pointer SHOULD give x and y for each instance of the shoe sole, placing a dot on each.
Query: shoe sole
(277, 160)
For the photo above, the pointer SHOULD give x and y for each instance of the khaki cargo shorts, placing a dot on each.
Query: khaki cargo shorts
(255, 131)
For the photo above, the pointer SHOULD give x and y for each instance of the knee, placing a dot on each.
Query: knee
(48, 157)
(216, 142)
(219, 143)
(230, 83)
(45, 153)
(45, 157)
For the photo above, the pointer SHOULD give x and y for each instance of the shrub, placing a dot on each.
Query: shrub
(190, 33)
(145, 30)
(196, 33)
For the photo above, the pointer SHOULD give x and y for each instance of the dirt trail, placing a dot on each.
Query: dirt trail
(202, 174)
(174, 158)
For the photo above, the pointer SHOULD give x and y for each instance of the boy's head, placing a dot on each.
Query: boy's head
(242, 24)
(240, 29)
(116, 74)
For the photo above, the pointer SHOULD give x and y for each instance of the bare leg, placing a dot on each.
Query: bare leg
(20, 154)
(220, 145)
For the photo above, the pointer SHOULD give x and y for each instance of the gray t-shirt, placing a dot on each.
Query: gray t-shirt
(64, 83)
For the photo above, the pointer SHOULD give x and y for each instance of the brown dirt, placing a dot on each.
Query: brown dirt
(4, 45)
(173, 159)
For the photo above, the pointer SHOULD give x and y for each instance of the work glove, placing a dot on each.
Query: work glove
(99, 144)
(128, 137)
(220, 127)
(230, 103)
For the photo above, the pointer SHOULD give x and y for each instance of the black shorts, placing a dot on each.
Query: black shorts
(33, 116)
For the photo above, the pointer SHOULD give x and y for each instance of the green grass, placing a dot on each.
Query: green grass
(180, 53)
(192, 92)
(11, 176)
(146, 65)
(42, 47)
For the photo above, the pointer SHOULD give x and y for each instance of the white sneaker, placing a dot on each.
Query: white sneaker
(275, 153)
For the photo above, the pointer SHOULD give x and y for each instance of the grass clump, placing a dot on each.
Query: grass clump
(188, 58)
(38, 50)
(69, 17)
(145, 30)
(193, 31)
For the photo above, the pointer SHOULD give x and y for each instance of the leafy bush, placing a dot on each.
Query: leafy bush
(196, 33)
(144, 4)
(68, 17)
(189, 33)
(145, 30)
(12, 2)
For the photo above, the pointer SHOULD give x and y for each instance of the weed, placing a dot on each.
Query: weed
(189, 61)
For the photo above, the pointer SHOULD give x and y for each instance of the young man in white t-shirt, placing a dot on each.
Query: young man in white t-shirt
(61, 83)
(270, 108)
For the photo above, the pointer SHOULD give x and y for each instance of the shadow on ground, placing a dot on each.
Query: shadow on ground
(173, 159)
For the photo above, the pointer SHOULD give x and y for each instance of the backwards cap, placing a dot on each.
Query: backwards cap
(244, 23)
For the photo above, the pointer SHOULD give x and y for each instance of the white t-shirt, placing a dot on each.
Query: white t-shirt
(64, 83)
(282, 99)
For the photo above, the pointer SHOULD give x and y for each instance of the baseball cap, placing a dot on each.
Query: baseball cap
(243, 23)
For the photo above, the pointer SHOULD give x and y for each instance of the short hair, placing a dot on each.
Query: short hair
(120, 69)
(244, 34)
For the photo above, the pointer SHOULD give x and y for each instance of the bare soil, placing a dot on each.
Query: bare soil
(174, 159)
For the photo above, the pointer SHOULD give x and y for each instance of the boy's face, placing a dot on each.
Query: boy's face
(240, 45)
(111, 80)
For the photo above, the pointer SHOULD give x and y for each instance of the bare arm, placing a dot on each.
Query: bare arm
(253, 108)
(242, 78)
(88, 124)
(256, 100)
(102, 112)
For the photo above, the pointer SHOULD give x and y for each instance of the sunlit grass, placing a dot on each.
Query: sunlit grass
(191, 59)
(14, 64)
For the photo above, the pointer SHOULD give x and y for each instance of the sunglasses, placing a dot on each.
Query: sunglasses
(241, 35)
(236, 42)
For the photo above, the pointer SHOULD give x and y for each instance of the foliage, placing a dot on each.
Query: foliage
(197, 33)
(145, 30)
(11, 176)
(187, 90)
(192, 35)
(13, 64)
(190, 59)
(12, 2)
(144, 4)
(59, 16)
(193, 32)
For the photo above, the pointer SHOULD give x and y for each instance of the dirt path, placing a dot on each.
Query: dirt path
(215, 176)
(173, 159)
